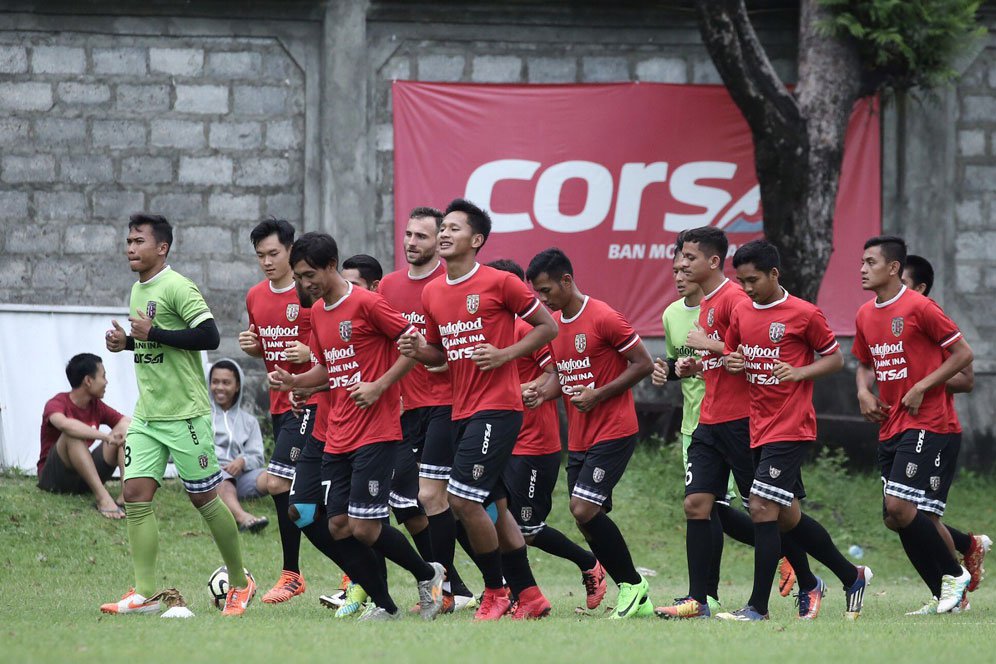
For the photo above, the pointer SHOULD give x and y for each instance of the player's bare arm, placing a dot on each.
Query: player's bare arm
(284, 381)
(365, 395)
(823, 366)
(77, 429)
(639, 366)
(413, 345)
(545, 388)
(249, 342)
(487, 357)
(872, 408)
(963, 381)
(961, 356)
(698, 340)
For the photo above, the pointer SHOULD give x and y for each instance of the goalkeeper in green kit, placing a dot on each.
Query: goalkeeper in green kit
(170, 326)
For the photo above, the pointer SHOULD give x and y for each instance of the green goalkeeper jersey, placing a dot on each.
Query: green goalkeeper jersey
(171, 384)
(679, 319)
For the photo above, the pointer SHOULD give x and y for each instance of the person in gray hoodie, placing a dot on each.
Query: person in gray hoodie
(238, 444)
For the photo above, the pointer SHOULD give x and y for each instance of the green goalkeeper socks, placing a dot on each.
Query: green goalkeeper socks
(143, 534)
(226, 536)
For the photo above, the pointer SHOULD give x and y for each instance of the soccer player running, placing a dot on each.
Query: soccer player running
(908, 348)
(170, 326)
(599, 358)
(531, 473)
(773, 340)
(427, 399)
(276, 321)
(470, 323)
(354, 332)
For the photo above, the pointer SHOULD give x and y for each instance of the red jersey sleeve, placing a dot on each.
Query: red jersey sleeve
(56, 404)
(616, 330)
(732, 338)
(860, 347)
(937, 326)
(517, 297)
(819, 335)
(386, 319)
(108, 415)
(431, 329)
(316, 349)
(542, 356)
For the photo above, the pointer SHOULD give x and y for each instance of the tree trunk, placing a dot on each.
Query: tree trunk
(798, 135)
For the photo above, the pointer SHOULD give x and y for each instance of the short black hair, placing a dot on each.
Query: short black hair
(162, 231)
(479, 220)
(553, 262)
(80, 366)
(264, 229)
(368, 267)
(712, 241)
(318, 250)
(893, 248)
(425, 213)
(226, 364)
(920, 271)
(508, 265)
(760, 253)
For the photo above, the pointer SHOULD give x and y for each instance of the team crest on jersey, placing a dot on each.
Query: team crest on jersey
(473, 302)
(478, 471)
(150, 309)
(910, 470)
(526, 514)
(776, 331)
(774, 472)
(711, 316)
(598, 475)
(292, 311)
(203, 461)
(935, 483)
(346, 330)
(897, 326)
(373, 486)
(580, 342)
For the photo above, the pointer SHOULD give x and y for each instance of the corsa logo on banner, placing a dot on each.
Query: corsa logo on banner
(611, 174)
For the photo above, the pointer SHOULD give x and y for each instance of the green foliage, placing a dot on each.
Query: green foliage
(906, 44)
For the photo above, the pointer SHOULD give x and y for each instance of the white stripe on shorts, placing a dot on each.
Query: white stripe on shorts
(588, 495)
(467, 491)
(772, 493)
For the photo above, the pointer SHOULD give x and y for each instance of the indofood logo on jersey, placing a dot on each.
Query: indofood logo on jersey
(473, 302)
(150, 309)
(897, 326)
(776, 331)
(580, 342)
(292, 311)
(346, 330)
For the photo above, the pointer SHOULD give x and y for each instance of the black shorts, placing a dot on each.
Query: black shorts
(778, 471)
(404, 484)
(290, 436)
(430, 430)
(717, 450)
(485, 441)
(306, 488)
(57, 477)
(918, 466)
(529, 481)
(592, 475)
(358, 483)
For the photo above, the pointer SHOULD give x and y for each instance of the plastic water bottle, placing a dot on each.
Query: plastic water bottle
(856, 552)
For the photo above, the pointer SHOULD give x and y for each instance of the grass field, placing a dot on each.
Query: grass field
(60, 560)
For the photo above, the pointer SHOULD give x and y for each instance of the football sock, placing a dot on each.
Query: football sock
(464, 539)
(796, 555)
(143, 535)
(716, 560)
(962, 541)
(736, 523)
(610, 548)
(360, 563)
(698, 548)
(423, 543)
(927, 537)
(924, 566)
(817, 542)
(226, 537)
(557, 544)
(381, 564)
(318, 534)
(490, 564)
(515, 565)
(767, 551)
(290, 534)
(442, 532)
(395, 547)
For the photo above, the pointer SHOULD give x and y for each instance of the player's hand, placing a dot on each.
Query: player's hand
(364, 395)
(409, 343)
(298, 353)
(585, 398)
(487, 357)
(249, 340)
(116, 339)
(872, 408)
(439, 368)
(735, 362)
(697, 338)
(659, 377)
(913, 399)
(786, 373)
(280, 380)
(531, 397)
(116, 438)
(140, 325)
(687, 366)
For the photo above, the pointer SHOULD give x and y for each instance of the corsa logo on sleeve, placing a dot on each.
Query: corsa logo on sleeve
(473, 302)
(292, 312)
(346, 330)
(897, 326)
(776, 331)
(150, 308)
(580, 342)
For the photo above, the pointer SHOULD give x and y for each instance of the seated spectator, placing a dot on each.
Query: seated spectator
(70, 425)
(238, 443)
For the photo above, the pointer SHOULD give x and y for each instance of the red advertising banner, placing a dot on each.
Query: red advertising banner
(610, 174)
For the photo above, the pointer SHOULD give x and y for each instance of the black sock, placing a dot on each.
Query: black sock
(925, 535)
(290, 534)
(318, 534)
(442, 532)
(962, 541)
(423, 543)
(557, 544)
(360, 563)
(490, 564)
(698, 548)
(767, 551)
(736, 524)
(716, 559)
(924, 566)
(396, 548)
(796, 555)
(381, 565)
(515, 566)
(610, 548)
(817, 542)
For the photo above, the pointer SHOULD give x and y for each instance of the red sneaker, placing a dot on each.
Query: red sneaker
(494, 604)
(977, 551)
(238, 598)
(786, 577)
(531, 604)
(594, 585)
(290, 584)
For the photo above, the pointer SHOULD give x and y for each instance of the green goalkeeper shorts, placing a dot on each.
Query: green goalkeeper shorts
(149, 445)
